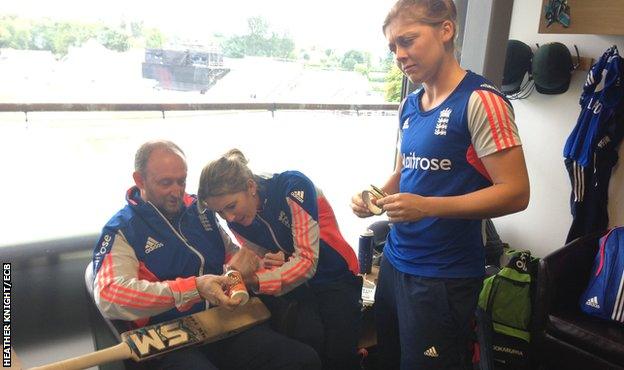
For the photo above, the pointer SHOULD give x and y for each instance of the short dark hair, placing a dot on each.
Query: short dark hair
(145, 151)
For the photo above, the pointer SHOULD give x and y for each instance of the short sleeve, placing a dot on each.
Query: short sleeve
(491, 123)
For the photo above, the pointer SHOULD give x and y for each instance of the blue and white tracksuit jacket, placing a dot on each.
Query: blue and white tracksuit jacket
(145, 266)
(296, 219)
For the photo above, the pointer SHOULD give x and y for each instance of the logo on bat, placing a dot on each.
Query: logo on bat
(156, 339)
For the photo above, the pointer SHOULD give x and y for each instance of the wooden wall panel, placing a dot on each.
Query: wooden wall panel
(599, 17)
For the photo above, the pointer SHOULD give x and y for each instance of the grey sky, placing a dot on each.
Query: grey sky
(341, 24)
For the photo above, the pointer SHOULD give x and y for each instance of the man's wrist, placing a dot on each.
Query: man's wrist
(198, 280)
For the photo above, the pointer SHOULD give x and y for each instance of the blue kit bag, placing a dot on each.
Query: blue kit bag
(604, 296)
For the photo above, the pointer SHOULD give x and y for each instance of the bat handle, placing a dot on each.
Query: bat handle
(119, 352)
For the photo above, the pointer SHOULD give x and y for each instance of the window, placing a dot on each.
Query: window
(65, 172)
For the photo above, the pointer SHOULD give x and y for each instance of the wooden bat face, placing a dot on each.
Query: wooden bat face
(202, 327)
(153, 340)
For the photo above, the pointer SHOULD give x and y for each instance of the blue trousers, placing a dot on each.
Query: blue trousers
(257, 348)
(424, 323)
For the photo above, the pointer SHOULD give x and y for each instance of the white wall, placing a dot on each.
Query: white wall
(545, 121)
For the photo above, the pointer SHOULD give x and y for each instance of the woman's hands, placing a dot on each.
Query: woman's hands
(358, 206)
(246, 262)
(272, 260)
(404, 207)
(400, 207)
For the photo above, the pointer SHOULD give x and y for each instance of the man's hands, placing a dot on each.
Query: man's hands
(213, 287)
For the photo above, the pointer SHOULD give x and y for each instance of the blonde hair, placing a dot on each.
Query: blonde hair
(227, 175)
(430, 12)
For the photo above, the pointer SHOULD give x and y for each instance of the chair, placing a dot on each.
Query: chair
(567, 338)
(112, 335)
(114, 328)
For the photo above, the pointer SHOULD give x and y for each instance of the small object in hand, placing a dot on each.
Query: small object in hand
(237, 287)
(367, 197)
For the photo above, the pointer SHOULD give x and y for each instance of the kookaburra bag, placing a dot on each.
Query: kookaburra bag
(506, 297)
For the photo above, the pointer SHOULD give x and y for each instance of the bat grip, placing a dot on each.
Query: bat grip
(119, 352)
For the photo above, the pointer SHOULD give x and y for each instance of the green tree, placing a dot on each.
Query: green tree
(137, 29)
(59, 36)
(113, 39)
(154, 39)
(282, 46)
(351, 58)
(14, 33)
(234, 47)
(362, 69)
(258, 27)
(66, 34)
(388, 61)
(259, 41)
(256, 42)
(42, 36)
(394, 80)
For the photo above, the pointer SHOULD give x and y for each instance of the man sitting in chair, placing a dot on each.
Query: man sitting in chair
(159, 259)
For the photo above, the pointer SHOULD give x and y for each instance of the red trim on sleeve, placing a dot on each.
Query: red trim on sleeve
(183, 285)
(507, 123)
(330, 234)
(490, 119)
(268, 286)
(499, 117)
(301, 234)
(124, 296)
(302, 238)
(475, 161)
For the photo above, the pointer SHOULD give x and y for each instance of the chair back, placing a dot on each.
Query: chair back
(89, 282)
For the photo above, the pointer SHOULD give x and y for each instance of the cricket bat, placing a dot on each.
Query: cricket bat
(150, 341)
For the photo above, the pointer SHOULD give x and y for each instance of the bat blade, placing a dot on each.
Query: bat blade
(154, 340)
(202, 327)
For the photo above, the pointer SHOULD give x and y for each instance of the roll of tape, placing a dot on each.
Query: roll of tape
(367, 197)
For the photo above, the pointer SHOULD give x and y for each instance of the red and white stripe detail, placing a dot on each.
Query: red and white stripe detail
(116, 293)
(330, 234)
(499, 119)
(302, 265)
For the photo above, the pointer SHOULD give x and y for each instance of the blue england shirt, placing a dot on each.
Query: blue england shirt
(441, 150)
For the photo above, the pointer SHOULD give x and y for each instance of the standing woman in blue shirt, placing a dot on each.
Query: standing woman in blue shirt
(291, 229)
(460, 161)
